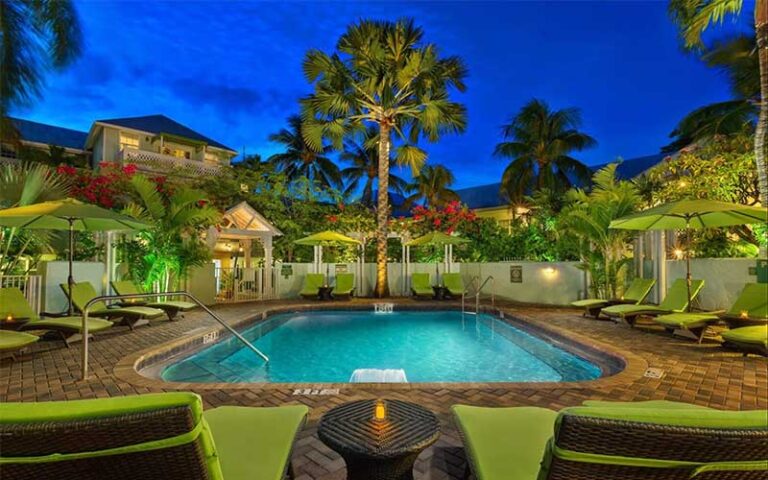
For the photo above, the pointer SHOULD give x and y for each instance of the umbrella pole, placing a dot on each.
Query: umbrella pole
(70, 278)
(688, 264)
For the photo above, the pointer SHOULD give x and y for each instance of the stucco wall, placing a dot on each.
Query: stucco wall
(723, 278)
(55, 273)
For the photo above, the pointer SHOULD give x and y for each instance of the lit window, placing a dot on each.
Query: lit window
(211, 157)
(128, 141)
(178, 153)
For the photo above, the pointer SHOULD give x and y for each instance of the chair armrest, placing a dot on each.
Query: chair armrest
(55, 314)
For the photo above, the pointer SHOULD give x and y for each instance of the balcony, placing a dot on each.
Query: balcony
(166, 164)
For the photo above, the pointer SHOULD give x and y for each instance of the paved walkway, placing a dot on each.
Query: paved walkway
(702, 374)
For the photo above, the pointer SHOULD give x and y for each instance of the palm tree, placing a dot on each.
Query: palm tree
(539, 143)
(692, 18)
(382, 73)
(34, 37)
(364, 157)
(302, 160)
(432, 185)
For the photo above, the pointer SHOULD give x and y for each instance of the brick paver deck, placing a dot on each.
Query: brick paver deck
(701, 374)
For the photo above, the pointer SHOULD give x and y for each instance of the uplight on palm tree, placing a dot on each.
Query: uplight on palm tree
(302, 160)
(432, 185)
(539, 141)
(383, 74)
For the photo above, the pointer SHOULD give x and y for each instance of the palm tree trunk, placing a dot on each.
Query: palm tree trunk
(761, 32)
(382, 212)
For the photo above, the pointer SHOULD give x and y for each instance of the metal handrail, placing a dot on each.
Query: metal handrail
(152, 295)
(475, 280)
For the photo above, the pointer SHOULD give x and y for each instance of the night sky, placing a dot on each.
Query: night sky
(232, 70)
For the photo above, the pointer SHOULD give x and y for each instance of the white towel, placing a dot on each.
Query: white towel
(376, 375)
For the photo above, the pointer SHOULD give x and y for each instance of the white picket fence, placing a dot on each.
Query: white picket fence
(241, 285)
(30, 285)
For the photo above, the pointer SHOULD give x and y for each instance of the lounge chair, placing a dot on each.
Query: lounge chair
(675, 301)
(170, 307)
(12, 342)
(155, 436)
(83, 292)
(747, 340)
(634, 295)
(751, 307)
(13, 302)
(312, 284)
(421, 286)
(454, 284)
(345, 285)
(613, 440)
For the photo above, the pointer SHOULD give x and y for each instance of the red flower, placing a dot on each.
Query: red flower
(333, 218)
(437, 222)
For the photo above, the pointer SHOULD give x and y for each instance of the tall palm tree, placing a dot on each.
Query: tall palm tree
(692, 18)
(303, 160)
(364, 157)
(382, 73)
(432, 185)
(35, 36)
(540, 141)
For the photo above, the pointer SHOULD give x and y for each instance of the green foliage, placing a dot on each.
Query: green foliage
(587, 216)
(432, 185)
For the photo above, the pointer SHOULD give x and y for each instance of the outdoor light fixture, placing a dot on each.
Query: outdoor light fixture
(678, 254)
(550, 271)
(380, 411)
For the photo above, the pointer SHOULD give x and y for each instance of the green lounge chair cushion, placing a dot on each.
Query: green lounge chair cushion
(453, 283)
(254, 443)
(754, 335)
(753, 299)
(643, 404)
(505, 443)
(312, 283)
(637, 291)
(679, 417)
(686, 320)
(10, 340)
(675, 301)
(83, 292)
(421, 284)
(128, 287)
(345, 283)
(13, 302)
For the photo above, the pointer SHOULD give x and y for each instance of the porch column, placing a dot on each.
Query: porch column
(268, 287)
(247, 246)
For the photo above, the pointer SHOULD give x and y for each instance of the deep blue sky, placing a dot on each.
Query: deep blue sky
(233, 70)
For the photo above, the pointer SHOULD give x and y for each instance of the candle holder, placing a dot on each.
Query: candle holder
(380, 411)
(744, 314)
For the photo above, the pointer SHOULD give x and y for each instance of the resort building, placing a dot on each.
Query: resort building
(42, 139)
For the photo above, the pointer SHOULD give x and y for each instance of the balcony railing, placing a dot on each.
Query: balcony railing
(159, 163)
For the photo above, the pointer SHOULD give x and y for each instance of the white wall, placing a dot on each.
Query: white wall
(201, 282)
(55, 273)
(724, 278)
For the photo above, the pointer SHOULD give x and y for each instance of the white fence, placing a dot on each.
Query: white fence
(30, 285)
(241, 285)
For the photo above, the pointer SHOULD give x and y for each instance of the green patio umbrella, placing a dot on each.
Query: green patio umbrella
(688, 214)
(436, 238)
(71, 215)
(327, 238)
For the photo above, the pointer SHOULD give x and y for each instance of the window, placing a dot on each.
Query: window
(211, 157)
(7, 151)
(129, 141)
(178, 153)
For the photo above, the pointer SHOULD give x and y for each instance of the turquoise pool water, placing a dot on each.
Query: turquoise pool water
(431, 346)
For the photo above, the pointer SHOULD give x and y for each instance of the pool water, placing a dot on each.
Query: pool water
(431, 346)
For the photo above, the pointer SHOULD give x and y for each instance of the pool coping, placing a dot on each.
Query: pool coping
(619, 367)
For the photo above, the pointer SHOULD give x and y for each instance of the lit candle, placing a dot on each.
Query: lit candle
(380, 411)
(9, 318)
(744, 314)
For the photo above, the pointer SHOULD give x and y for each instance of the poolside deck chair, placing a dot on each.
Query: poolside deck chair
(345, 285)
(421, 286)
(170, 307)
(312, 283)
(13, 302)
(12, 342)
(675, 301)
(747, 340)
(146, 437)
(750, 308)
(83, 292)
(614, 440)
(635, 294)
(454, 284)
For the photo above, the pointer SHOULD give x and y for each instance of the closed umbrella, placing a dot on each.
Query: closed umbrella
(71, 215)
(689, 214)
(327, 238)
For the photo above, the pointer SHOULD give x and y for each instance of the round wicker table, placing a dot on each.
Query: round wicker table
(379, 450)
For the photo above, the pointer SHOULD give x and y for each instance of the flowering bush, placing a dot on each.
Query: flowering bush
(454, 217)
(106, 187)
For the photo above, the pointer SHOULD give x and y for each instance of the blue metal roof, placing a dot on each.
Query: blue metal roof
(629, 169)
(162, 124)
(49, 134)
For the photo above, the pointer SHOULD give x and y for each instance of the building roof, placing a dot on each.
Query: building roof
(490, 195)
(50, 134)
(161, 124)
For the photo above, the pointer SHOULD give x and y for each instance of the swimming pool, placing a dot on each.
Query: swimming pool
(431, 346)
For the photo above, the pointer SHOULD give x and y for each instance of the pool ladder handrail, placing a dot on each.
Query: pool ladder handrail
(102, 298)
(474, 282)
